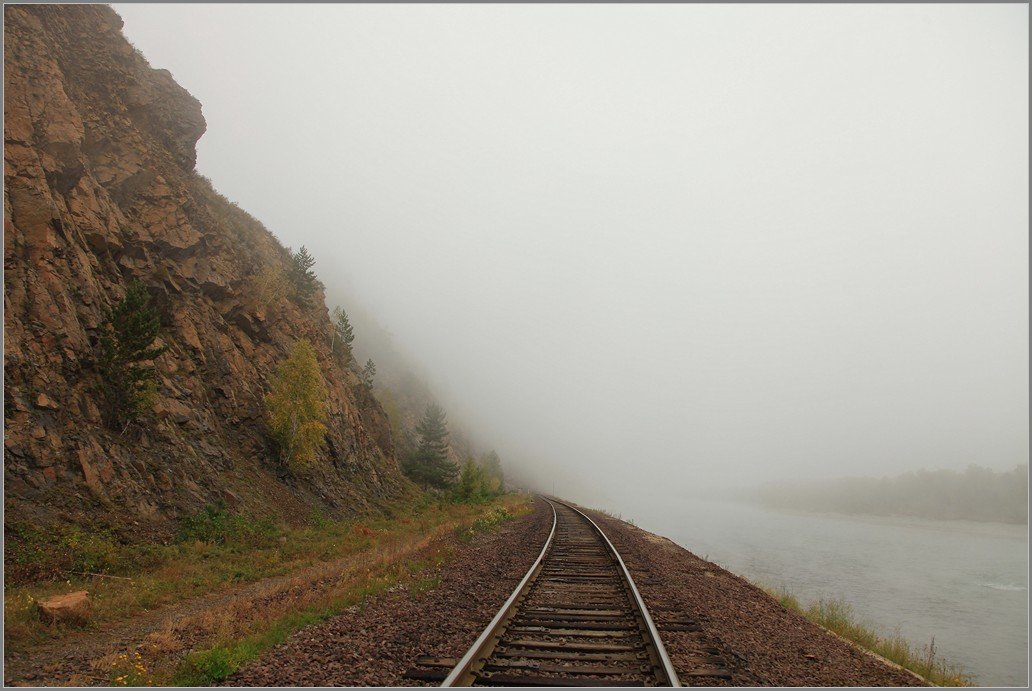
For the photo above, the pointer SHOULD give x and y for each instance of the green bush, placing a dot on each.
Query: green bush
(127, 384)
(477, 483)
(206, 667)
(34, 553)
(215, 524)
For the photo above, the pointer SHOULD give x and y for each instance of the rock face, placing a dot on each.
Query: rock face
(99, 190)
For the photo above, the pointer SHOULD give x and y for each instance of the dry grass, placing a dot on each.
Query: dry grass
(838, 617)
(321, 568)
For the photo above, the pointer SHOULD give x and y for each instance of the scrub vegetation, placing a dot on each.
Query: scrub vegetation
(838, 617)
(329, 564)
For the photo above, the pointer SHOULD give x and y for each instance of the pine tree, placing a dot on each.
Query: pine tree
(429, 465)
(342, 332)
(127, 335)
(296, 405)
(369, 372)
(302, 276)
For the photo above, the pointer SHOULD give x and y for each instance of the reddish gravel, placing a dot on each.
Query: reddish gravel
(375, 645)
(761, 642)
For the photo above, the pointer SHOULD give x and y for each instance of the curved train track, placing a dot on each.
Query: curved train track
(576, 619)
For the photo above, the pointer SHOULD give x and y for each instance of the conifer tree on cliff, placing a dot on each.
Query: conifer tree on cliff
(128, 385)
(429, 465)
(302, 276)
(342, 332)
(369, 372)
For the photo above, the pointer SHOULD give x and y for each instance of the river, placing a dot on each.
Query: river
(962, 582)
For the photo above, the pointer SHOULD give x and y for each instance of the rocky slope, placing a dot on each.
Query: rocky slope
(99, 190)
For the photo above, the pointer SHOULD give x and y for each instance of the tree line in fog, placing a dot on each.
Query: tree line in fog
(974, 494)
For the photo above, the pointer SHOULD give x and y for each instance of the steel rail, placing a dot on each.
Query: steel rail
(668, 666)
(485, 637)
(489, 636)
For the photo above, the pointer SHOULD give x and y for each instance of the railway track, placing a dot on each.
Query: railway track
(576, 619)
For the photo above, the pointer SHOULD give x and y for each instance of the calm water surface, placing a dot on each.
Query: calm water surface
(964, 583)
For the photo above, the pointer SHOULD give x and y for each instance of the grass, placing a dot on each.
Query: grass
(241, 638)
(217, 551)
(616, 516)
(495, 517)
(215, 664)
(838, 616)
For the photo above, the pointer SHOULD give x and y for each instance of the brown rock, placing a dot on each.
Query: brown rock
(73, 608)
(163, 480)
(90, 475)
(46, 402)
(106, 471)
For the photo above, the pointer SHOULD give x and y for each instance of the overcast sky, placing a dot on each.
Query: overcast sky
(698, 245)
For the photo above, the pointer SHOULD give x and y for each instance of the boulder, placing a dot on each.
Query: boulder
(73, 608)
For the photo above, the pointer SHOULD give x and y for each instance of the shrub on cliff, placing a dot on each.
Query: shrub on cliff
(296, 405)
(268, 285)
(128, 382)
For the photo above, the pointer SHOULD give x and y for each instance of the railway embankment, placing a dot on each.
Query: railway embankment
(760, 641)
(210, 608)
(421, 603)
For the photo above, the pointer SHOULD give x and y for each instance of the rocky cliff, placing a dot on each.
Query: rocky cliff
(100, 190)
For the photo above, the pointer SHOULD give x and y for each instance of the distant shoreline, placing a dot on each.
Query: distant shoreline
(977, 495)
(881, 517)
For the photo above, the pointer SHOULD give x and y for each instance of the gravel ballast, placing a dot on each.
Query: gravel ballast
(759, 642)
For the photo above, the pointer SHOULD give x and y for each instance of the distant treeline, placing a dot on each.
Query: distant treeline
(975, 494)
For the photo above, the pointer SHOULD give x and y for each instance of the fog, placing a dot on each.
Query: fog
(652, 249)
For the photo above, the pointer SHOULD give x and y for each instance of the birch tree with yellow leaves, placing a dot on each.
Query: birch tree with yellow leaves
(297, 408)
